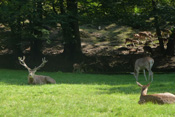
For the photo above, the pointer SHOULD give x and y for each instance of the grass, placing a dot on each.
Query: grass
(81, 95)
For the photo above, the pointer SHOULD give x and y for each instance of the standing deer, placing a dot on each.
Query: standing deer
(142, 64)
(160, 98)
(36, 79)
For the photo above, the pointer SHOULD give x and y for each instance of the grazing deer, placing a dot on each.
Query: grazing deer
(79, 67)
(36, 79)
(142, 64)
(160, 98)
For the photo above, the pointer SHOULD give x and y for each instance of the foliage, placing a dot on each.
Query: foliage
(31, 20)
(25, 20)
(81, 95)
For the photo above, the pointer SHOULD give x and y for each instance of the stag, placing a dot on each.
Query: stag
(36, 79)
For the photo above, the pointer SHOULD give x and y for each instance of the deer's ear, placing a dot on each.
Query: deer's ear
(148, 84)
(139, 84)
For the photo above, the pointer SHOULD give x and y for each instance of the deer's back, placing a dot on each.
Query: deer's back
(40, 79)
(143, 62)
(162, 98)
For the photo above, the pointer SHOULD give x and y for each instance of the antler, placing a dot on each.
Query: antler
(22, 62)
(42, 64)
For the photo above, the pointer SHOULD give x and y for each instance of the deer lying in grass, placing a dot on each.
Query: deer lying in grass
(142, 64)
(160, 98)
(36, 79)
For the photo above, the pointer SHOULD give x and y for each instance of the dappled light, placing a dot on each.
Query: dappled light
(87, 93)
(86, 58)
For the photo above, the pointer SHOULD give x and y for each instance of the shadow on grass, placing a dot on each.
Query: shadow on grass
(155, 87)
(69, 78)
(122, 83)
(19, 77)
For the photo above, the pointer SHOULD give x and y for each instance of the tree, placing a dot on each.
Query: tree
(156, 22)
(70, 28)
(26, 23)
(171, 44)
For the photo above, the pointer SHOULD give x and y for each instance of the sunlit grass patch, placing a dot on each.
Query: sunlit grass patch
(81, 95)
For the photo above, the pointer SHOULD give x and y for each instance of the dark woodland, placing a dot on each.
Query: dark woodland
(90, 36)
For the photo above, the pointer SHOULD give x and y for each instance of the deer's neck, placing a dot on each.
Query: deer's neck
(144, 92)
(30, 79)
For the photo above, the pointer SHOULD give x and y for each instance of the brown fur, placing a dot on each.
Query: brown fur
(36, 79)
(39, 79)
(160, 98)
(78, 67)
(142, 64)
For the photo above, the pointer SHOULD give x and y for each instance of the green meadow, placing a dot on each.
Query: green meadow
(81, 95)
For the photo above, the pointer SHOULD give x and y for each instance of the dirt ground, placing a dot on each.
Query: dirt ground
(105, 51)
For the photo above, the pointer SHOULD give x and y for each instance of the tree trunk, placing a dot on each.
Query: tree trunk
(15, 42)
(36, 46)
(158, 32)
(171, 44)
(36, 43)
(72, 42)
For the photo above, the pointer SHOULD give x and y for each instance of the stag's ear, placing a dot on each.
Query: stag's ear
(139, 84)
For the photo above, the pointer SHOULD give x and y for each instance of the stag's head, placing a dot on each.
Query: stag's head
(31, 71)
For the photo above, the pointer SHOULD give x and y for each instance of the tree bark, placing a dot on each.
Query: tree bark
(70, 27)
(36, 43)
(171, 44)
(158, 31)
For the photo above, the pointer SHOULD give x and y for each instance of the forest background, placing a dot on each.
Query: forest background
(91, 33)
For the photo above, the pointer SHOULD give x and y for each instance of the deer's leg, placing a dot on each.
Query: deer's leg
(151, 75)
(149, 72)
(136, 74)
(141, 102)
(144, 74)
